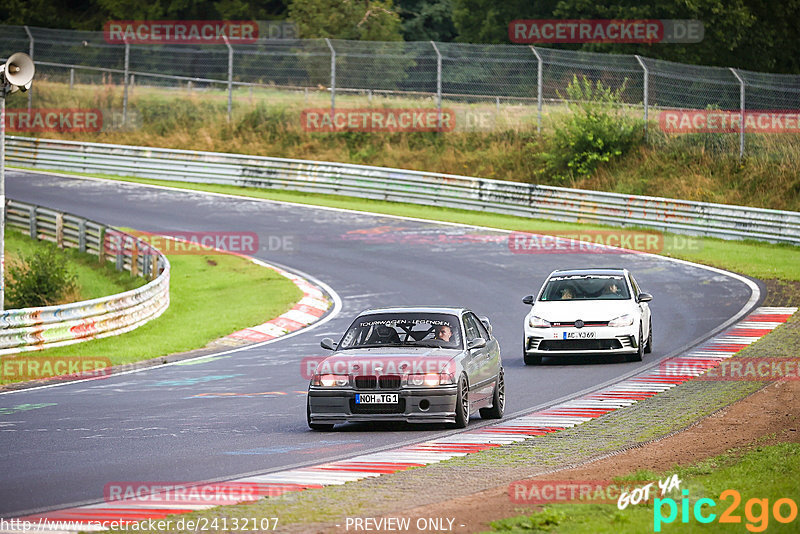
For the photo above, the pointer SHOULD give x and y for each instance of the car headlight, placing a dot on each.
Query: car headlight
(429, 379)
(622, 320)
(538, 322)
(329, 380)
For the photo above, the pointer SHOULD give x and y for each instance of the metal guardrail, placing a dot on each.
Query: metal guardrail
(446, 190)
(30, 329)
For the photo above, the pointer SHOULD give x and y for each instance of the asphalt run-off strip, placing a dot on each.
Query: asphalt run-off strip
(647, 384)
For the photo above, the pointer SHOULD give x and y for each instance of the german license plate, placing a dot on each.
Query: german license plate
(579, 335)
(376, 398)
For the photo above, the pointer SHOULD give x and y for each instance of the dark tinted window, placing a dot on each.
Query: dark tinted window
(403, 329)
(586, 287)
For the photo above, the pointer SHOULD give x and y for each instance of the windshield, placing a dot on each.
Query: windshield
(586, 287)
(403, 330)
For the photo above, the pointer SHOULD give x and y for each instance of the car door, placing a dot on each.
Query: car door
(483, 373)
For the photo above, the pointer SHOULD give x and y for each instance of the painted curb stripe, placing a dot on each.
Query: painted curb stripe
(568, 414)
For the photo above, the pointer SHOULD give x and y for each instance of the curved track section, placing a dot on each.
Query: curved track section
(244, 412)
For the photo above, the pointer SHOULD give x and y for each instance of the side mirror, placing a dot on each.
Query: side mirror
(328, 343)
(477, 343)
(487, 324)
(644, 297)
(528, 300)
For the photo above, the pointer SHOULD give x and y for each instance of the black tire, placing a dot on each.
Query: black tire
(649, 347)
(462, 403)
(498, 399)
(315, 426)
(639, 354)
(530, 359)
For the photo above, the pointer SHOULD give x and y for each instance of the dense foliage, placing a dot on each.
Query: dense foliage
(749, 34)
(40, 279)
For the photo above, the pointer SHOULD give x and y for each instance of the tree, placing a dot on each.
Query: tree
(427, 20)
(749, 34)
(365, 20)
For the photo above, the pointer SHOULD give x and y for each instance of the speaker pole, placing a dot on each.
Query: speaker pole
(2, 193)
(16, 74)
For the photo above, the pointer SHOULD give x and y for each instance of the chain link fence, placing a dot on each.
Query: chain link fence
(510, 75)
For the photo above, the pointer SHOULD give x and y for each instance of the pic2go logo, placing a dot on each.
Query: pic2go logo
(756, 511)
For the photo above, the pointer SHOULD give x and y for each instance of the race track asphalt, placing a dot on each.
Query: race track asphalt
(169, 423)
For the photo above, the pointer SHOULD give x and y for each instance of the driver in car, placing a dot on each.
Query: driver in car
(443, 333)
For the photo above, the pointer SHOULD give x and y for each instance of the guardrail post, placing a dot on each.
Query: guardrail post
(438, 86)
(34, 230)
(230, 76)
(30, 53)
(333, 77)
(125, 83)
(741, 112)
(646, 92)
(60, 230)
(135, 259)
(101, 246)
(146, 265)
(538, 89)
(82, 235)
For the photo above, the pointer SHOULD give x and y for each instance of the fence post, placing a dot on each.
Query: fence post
(741, 112)
(438, 86)
(71, 78)
(646, 92)
(30, 53)
(333, 77)
(230, 76)
(125, 83)
(538, 89)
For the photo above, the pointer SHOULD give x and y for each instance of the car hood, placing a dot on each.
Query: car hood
(586, 310)
(389, 360)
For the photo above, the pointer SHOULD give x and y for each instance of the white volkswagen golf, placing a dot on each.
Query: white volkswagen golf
(588, 311)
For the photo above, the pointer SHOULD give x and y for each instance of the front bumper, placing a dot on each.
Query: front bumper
(604, 340)
(418, 405)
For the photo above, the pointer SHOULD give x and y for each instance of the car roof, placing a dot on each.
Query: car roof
(595, 270)
(416, 309)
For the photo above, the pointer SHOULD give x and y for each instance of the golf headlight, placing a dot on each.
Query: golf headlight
(538, 322)
(331, 380)
(622, 320)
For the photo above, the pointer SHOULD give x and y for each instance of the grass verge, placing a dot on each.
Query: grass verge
(752, 258)
(756, 472)
(93, 279)
(210, 297)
